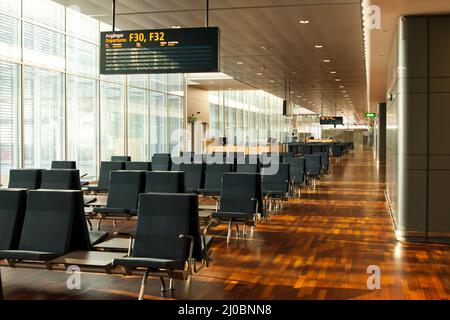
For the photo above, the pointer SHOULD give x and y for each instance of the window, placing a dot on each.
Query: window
(111, 117)
(10, 37)
(82, 105)
(158, 123)
(43, 120)
(176, 134)
(82, 57)
(9, 128)
(138, 139)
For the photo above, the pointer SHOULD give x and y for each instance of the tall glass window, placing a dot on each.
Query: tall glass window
(43, 108)
(158, 123)
(82, 106)
(9, 126)
(138, 139)
(111, 120)
(175, 107)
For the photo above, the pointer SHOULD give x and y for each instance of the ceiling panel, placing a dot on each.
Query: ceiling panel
(247, 27)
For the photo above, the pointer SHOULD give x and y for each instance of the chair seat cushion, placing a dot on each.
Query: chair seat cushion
(151, 263)
(234, 215)
(97, 237)
(28, 255)
(115, 211)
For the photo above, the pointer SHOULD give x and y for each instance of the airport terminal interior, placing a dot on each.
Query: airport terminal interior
(224, 149)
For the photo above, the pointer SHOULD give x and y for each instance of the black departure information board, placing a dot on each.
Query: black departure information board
(331, 120)
(184, 50)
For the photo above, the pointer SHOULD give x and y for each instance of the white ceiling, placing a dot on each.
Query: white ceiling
(380, 41)
(247, 25)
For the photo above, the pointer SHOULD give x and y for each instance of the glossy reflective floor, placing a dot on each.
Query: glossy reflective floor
(318, 248)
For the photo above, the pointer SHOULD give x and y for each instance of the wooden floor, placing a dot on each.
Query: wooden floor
(318, 248)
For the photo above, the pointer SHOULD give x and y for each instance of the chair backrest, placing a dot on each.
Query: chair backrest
(125, 188)
(324, 160)
(164, 182)
(316, 148)
(194, 176)
(163, 217)
(239, 192)
(49, 220)
(64, 165)
(12, 212)
(25, 178)
(213, 175)
(312, 160)
(247, 168)
(161, 162)
(286, 155)
(121, 158)
(278, 182)
(105, 172)
(61, 179)
(306, 149)
(137, 165)
(296, 170)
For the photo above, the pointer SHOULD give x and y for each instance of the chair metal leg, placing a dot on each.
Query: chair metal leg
(99, 223)
(238, 234)
(172, 284)
(230, 225)
(163, 284)
(89, 223)
(144, 282)
(114, 223)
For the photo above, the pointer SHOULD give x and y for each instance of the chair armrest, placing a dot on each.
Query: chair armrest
(132, 238)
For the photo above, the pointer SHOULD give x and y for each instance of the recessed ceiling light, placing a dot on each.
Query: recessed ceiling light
(259, 73)
(291, 92)
(342, 87)
(265, 47)
(327, 60)
(272, 81)
(240, 62)
(318, 46)
(299, 96)
(304, 21)
(293, 72)
(338, 80)
(176, 27)
(211, 82)
(305, 99)
(333, 72)
(229, 88)
(344, 91)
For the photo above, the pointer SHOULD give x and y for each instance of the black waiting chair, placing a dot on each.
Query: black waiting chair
(69, 179)
(163, 242)
(297, 175)
(194, 176)
(12, 213)
(121, 158)
(285, 156)
(161, 162)
(164, 182)
(275, 184)
(138, 165)
(106, 167)
(61, 179)
(123, 195)
(247, 168)
(213, 178)
(25, 178)
(316, 148)
(47, 228)
(240, 201)
(64, 165)
(313, 164)
(324, 160)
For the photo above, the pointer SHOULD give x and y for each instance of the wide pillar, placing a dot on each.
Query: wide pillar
(418, 133)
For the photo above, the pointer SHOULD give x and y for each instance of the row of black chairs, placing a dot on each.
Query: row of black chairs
(47, 229)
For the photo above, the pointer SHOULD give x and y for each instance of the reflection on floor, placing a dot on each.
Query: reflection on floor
(318, 248)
